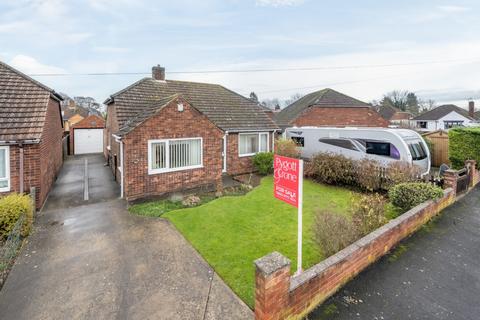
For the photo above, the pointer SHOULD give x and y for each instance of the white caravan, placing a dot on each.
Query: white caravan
(385, 145)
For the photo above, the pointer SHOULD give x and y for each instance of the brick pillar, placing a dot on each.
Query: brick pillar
(451, 177)
(272, 283)
(471, 165)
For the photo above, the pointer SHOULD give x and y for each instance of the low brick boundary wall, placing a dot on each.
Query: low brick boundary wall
(281, 296)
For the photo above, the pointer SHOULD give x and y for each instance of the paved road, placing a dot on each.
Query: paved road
(93, 260)
(435, 274)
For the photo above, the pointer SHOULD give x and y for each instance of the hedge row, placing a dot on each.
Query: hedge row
(464, 144)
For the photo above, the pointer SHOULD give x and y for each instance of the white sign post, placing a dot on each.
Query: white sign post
(300, 218)
(288, 187)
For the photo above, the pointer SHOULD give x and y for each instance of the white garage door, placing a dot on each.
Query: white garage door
(88, 141)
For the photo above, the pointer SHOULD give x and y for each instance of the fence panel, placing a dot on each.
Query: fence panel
(439, 142)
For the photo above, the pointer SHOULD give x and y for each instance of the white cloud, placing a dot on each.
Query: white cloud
(452, 9)
(109, 49)
(30, 65)
(278, 3)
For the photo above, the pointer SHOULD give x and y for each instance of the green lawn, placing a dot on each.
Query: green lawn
(231, 232)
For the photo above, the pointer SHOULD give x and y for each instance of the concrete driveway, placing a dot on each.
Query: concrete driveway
(93, 260)
(435, 274)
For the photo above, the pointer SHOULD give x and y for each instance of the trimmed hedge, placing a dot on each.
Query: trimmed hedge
(411, 194)
(263, 161)
(12, 207)
(463, 144)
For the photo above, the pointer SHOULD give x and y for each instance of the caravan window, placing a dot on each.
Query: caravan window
(417, 150)
(378, 148)
(342, 143)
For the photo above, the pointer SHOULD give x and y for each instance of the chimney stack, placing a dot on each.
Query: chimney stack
(158, 73)
(471, 109)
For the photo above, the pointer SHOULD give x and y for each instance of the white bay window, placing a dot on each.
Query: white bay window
(4, 168)
(174, 154)
(252, 143)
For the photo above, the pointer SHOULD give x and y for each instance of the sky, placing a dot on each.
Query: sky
(361, 48)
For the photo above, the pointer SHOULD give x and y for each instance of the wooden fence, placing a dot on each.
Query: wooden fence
(439, 147)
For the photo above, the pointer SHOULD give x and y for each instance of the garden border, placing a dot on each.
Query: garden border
(281, 296)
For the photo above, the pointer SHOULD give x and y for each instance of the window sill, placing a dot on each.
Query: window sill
(7, 189)
(160, 171)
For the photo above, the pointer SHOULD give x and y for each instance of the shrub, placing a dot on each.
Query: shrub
(463, 144)
(400, 172)
(287, 148)
(333, 232)
(410, 194)
(368, 213)
(12, 207)
(332, 169)
(263, 161)
(368, 174)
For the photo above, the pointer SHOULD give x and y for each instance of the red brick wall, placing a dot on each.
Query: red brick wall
(41, 162)
(279, 296)
(51, 158)
(324, 116)
(236, 164)
(111, 127)
(90, 122)
(167, 124)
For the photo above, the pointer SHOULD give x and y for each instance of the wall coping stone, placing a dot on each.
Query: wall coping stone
(271, 263)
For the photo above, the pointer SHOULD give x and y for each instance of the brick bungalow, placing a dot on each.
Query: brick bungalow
(31, 133)
(395, 116)
(330, 108)
(164, 136)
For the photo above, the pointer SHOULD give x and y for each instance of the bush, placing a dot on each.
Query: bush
(368, 213)
(12, 207)
(400, 172)
(333, 232)
(332, 169)
(463, 144)
(410, 194)
(368, 175)
(287, 148)
(263, 161)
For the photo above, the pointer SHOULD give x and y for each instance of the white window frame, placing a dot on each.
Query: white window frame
(7, 169)
(167, 156)
(259, 137)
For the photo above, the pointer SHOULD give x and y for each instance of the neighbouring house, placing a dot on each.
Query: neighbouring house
(31, 133)
(164, 136)
(86, 136)
(445, 117)
(330, 108)
(396, 117)
(68, 122)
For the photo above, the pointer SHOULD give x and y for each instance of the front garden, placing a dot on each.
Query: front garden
(343, 201)
(232, 231)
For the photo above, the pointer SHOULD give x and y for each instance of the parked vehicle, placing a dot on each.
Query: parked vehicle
(384, 145)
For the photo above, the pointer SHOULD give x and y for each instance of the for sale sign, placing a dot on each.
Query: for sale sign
(287, 179)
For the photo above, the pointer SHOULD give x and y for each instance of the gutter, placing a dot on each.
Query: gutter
(119, 140)
(224, 169)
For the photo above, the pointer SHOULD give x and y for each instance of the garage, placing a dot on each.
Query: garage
(88, 141)
(86, 136)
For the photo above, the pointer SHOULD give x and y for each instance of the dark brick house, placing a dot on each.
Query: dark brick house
(330, 108)
(164, 136)
(31, 133)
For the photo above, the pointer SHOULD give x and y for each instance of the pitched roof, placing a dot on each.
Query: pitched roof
(92, 121)
(387, 111)
(477, 115)
(144, 114)
(23, 105)
(226, 109)
(327, 98)
(441, 111)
